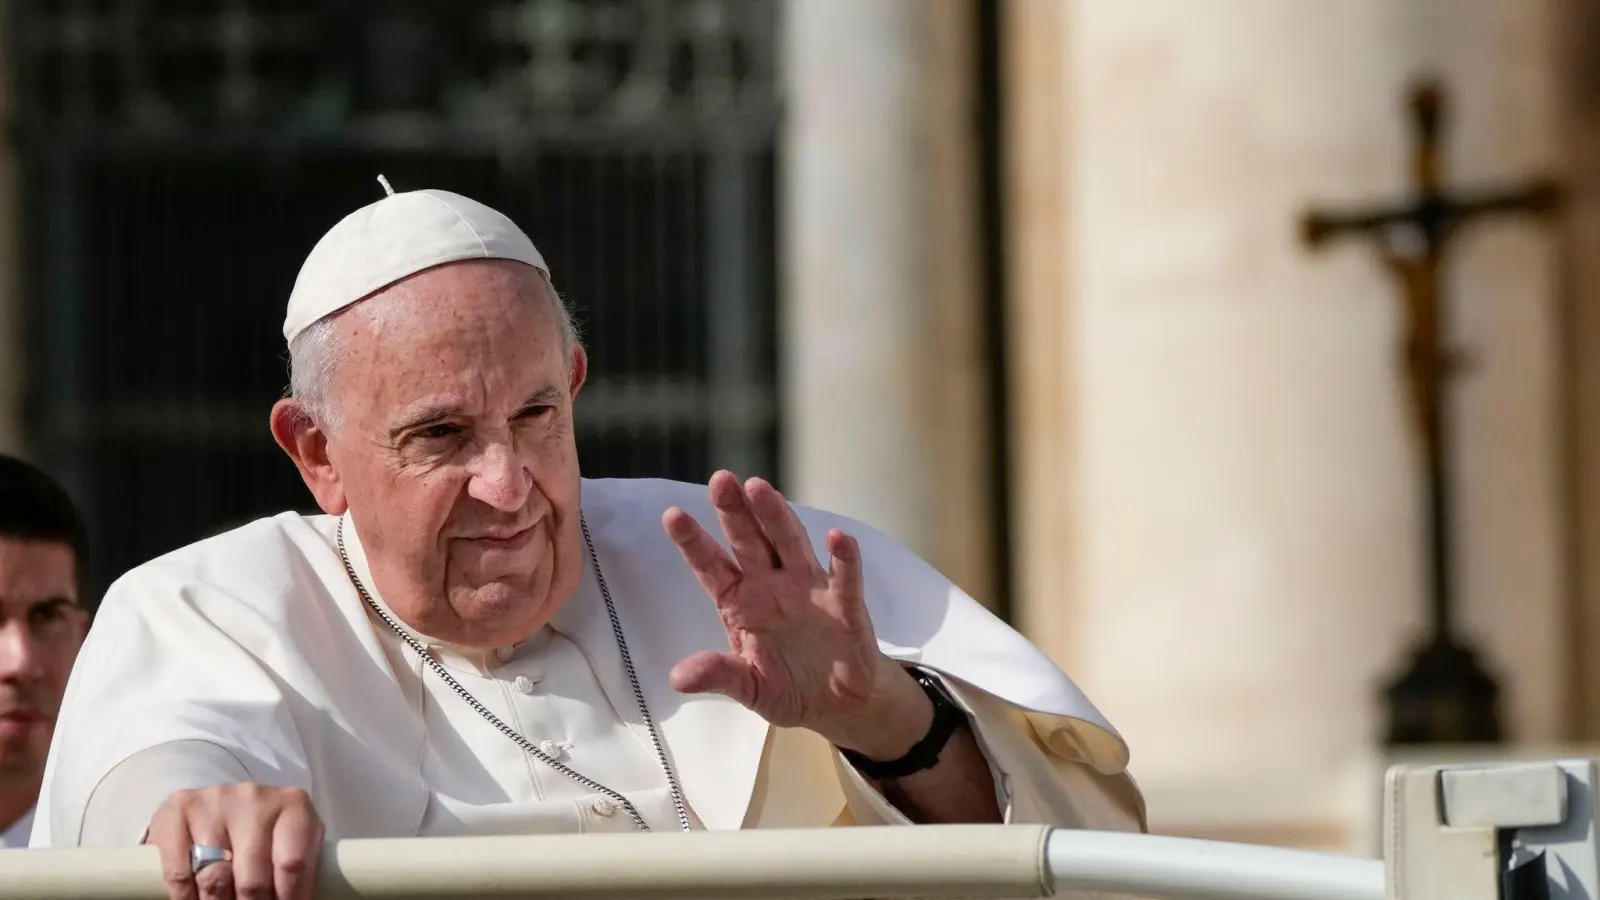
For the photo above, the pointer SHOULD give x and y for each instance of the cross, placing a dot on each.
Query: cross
(1445, 696)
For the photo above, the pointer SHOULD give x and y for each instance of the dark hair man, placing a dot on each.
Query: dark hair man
(43, 617)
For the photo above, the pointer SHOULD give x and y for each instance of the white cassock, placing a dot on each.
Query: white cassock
(251, 657)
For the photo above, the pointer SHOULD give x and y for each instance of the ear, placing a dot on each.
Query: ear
(577, 370)
(307, 444)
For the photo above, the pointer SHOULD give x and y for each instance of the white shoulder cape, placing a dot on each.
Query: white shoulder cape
(256, 640)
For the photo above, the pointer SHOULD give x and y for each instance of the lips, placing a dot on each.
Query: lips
(504, 538)
(17, 721)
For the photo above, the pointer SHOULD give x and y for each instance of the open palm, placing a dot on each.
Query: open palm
(802, 646)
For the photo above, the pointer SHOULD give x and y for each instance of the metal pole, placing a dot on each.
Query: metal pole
(1170, 868)
(974, 861)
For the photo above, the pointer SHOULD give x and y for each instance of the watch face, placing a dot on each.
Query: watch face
(935, 688)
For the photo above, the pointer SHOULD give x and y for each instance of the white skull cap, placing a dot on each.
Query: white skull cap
(399, 235)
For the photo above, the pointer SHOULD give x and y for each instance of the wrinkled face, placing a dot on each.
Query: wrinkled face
(454, 450)
(41, 628)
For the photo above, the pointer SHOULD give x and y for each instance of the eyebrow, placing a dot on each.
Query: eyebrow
(432, 415)
(42, 603)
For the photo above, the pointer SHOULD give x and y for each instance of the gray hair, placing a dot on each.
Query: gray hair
(313, 355)
(318, 350)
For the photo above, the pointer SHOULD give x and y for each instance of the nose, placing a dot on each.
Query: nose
(20, 660)
(499, 479)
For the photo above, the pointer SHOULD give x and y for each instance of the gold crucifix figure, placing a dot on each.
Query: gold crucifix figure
(1445, 696)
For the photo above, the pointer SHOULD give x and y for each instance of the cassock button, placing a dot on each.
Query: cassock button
(603, 806)
(523, 684)
(549, 748)
(504, 653)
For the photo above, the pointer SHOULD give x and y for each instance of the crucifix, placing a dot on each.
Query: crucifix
(1445, 695)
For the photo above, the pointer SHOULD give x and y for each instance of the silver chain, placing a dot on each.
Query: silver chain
(528, 746)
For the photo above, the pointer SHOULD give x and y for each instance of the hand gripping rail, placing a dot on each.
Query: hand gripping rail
(972, 861)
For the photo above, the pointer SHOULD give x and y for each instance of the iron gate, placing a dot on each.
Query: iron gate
(180, 158)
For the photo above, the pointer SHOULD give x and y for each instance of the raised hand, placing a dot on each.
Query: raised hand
(803, 653)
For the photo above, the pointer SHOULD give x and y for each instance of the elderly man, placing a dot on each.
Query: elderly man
(474, 639)
(43, 558)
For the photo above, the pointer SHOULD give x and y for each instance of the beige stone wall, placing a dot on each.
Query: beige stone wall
(1239, 509)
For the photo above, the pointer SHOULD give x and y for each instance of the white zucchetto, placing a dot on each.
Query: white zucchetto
(392, 238)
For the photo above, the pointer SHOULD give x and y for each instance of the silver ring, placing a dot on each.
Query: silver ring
(202, 855)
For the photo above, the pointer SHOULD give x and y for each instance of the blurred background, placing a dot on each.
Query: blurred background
(1023, 283)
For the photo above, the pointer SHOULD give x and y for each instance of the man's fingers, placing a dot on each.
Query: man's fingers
(745, 535)
(781, 524)
(207, 827)
(215, 882)
(296, 846)
(716, 673)
(251, 868)
(712, 567)
(845, 577)
(170, 834)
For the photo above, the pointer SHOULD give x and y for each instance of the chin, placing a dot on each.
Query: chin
(23, 759)
(502, 607)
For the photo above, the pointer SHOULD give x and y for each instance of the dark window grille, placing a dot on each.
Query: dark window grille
(180, 158)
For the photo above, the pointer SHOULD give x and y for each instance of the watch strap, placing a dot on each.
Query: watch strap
(924, 754)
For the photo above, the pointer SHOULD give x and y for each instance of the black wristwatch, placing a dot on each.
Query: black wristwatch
(924, 754)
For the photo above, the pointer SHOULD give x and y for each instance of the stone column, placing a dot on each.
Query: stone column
(1577, 27)
(1216, 415)
(1040, 354)
(883, 369)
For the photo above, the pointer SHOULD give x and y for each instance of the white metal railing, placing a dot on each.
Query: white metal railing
(1009, 861)
(1186, 869)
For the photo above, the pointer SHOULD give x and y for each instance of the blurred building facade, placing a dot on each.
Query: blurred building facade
(1221, 533)
(1210, 480)
(1017, 281)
